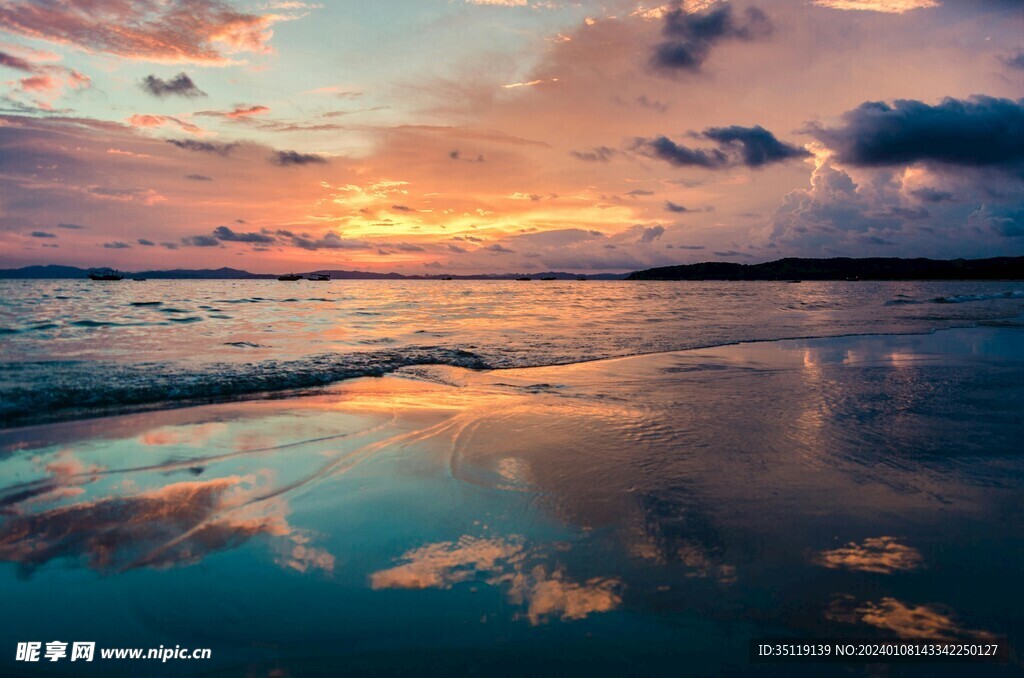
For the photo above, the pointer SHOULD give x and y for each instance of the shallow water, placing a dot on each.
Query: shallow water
(77, 348)
(629, 516)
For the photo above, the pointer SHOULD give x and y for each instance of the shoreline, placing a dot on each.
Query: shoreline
(287, 393)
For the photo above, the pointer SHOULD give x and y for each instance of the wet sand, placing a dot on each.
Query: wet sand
(642, 514)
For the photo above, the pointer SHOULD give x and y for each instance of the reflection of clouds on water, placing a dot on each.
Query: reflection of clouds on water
(502, 561)
(903, 619)
(445, 563)
(175, 525)
(883, 555)
(553, 596)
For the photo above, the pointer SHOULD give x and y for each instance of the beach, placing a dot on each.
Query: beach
(627, 515)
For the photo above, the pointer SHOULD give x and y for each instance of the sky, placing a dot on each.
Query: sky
(469, 136)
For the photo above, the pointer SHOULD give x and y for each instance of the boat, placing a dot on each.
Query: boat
(139, 279)
(794, 281)
(550, 278)
(290, 277)
(447, 277)
(581, 277)
(524, 278)
(319, 277)
(105, 274)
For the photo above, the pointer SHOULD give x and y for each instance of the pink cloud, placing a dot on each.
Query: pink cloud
(144, 120)
(196, 31)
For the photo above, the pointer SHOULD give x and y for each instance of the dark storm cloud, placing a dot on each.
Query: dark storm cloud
(663, 148)
(202, 146)
(226, 234)
(750, 146)
(294, 158)
(756, 145)
(928, 194)
(598, 154)
(977, 132)
(690, 37)
(179, 85)
(201, 241)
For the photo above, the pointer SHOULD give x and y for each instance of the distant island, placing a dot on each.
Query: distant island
(844, 268)
(793, 268)
(73, 272)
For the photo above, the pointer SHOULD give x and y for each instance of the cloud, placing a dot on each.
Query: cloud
(329, 241)
(1016, 61)
(74, 227)
(887, 6)
(117, 245)
(203, 146)
(198, 177)
(756, 145)
(752, 147)
(200, 241)
(146, 243)
(499, 249)
(43, 80)
(690, 36)
(977, 132)
(15, 62)
(226, 234)
(239, 112)
(197, 31)
(598, 154)
(498, 3)
(674, 207)
(294, 158)
(651, 234)
(42, 234)
(929, 194)
(180, 85)
(140, 120)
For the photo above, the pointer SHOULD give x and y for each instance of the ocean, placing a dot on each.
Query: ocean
(77, 348)
(509, 478)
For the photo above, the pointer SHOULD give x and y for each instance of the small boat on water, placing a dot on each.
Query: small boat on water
(105, 274)
(447, 277)
(319, 277)
(139, 279)
(524, 278)
(581, 277)
(290, 277)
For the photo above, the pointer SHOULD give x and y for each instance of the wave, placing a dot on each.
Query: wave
(964, 298)
(47, 391)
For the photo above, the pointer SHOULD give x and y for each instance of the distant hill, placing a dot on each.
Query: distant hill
(844, 268)
(73, 272)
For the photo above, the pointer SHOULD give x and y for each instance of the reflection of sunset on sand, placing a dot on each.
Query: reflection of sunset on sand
(578, 496)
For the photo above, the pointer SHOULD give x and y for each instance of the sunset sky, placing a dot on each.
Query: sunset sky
(428, 136)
